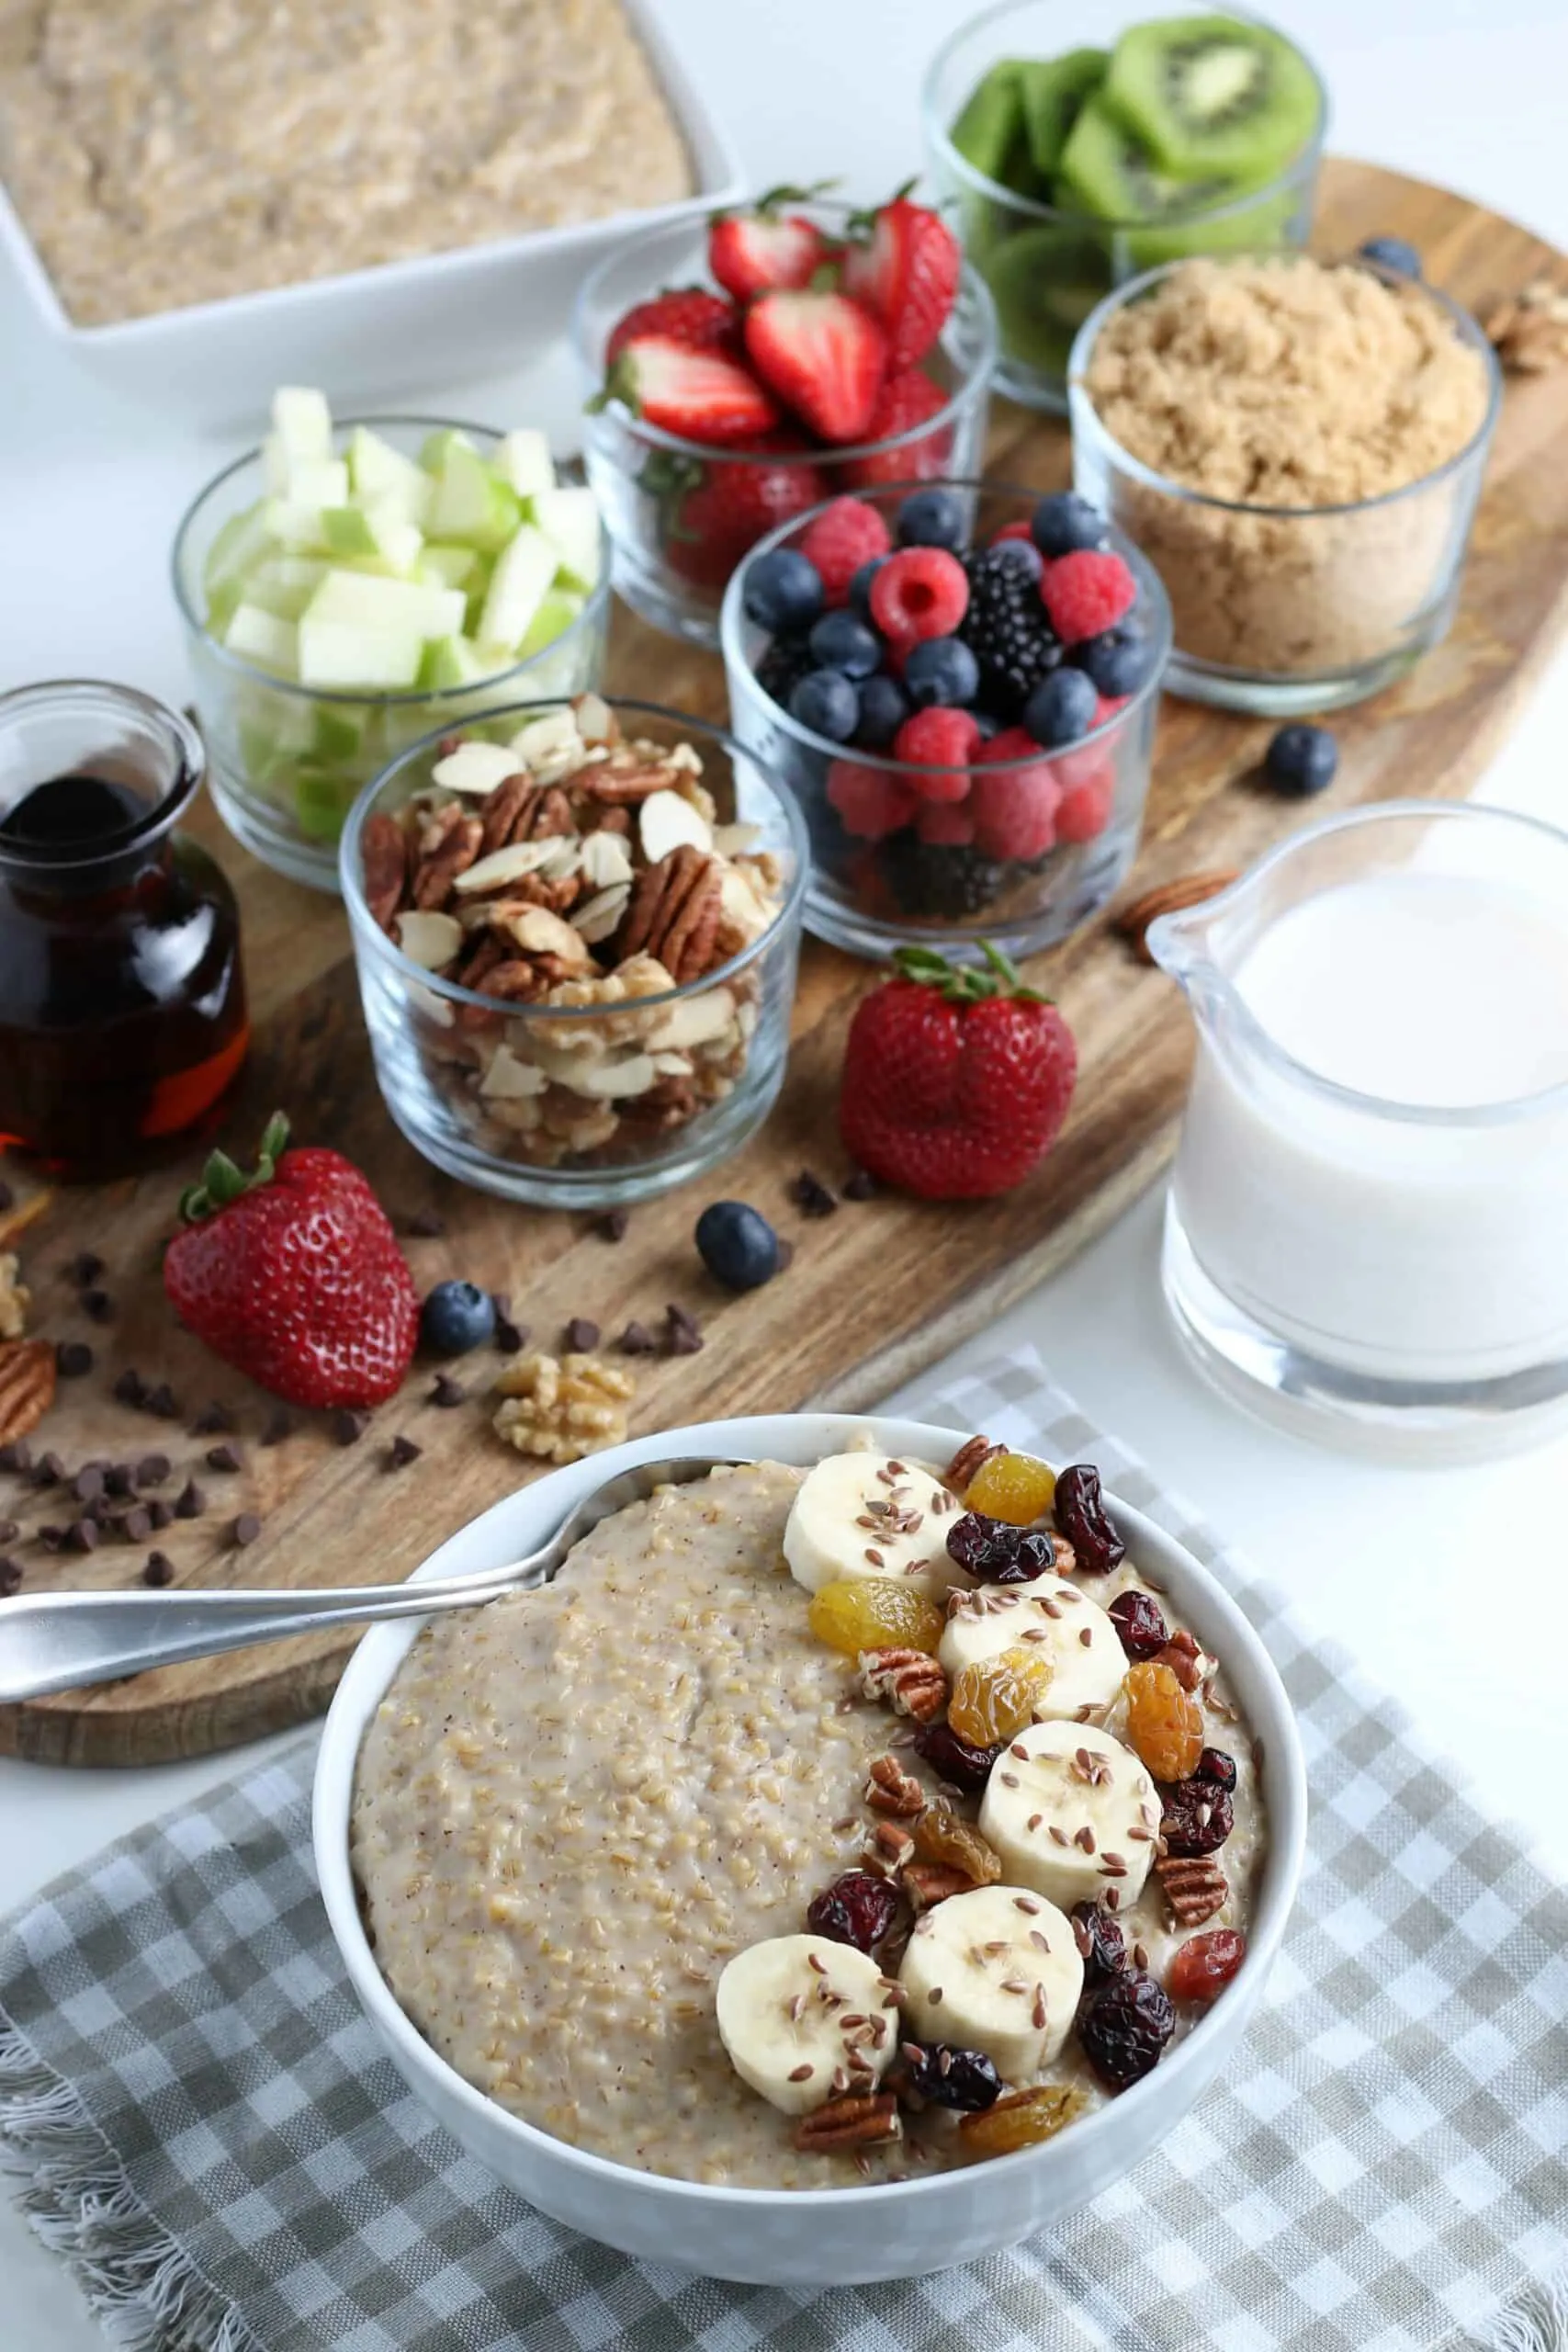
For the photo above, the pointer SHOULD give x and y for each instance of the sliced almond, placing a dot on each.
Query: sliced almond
(539, 932)
(565, 857)
(429, 940)
(673, 1065)
(435, 1009)
(606, 860)
(692, 1021)
(612, 1081)
(553, 736)
(744, 903)
(504, 865)
(598, 918)
(595, 719)
(475, 767)
(666, 822)
(730, 840)
(685, 755)
(506, 1079)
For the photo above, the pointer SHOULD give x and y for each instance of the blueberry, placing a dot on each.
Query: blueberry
(941, 669)
(883, 707)
(1022, 555)
(841, 642)
(1064, 521)
(455, 1317)
(1302, 760)
(826, 703)
(1117, 660)
(988, 724)
(737, 1245)
(1392, 254)
(1062, 707)
(783, 590)
(933, 518)
(860, 586)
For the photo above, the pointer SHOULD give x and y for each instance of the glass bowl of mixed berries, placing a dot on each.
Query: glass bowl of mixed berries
(959, 682)
(745, 372)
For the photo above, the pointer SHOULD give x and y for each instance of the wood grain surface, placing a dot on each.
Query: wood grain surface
(877, 1289)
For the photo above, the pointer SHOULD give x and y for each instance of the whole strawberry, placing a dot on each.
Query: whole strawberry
(956, 1081)
(683, 314)
(294, 1276)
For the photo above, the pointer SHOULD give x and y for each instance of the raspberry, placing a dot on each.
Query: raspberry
(1011, 531)
(1015, 808)
(843, 536)
(869, 802)
(946, 824)
(920, 593)
(1086, 592)
(942, 741)
(1106, 707)
(1084, 811)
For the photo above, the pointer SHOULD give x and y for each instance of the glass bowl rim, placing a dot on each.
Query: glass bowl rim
(159, 820)
(1150, 586)
(974, 383)
(941, 145)
(366, 930)
(594, 607)
(1086, 419)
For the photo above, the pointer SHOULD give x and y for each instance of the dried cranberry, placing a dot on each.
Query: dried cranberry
(1081, 1516)
(962, 1765)
(1215, 1765)
(1206, 1964)
(1100, 1941)
(1140, 1623)
(998, 1554)
(1125, 2028)
(1197, 1818)
(941, 2076)
(856, 1909)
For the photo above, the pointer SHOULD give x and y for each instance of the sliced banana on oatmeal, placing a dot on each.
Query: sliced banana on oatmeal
(997, 1969)
(1073, 1814)
(805, 2019)
(872, 1515)
(1054, 1619)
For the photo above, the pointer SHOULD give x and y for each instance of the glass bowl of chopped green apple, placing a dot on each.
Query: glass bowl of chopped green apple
(351, 586)
(1078, 143)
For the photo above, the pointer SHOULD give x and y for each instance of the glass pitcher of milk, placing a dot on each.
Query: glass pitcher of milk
(1367, 1232)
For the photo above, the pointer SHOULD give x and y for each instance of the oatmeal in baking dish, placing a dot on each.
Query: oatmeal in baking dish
(162, 152)
(814, 1826)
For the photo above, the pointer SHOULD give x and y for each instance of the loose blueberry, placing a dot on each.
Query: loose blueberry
(988, 724)
(941, 669)
(933, 518)
(841, 642)
(1062, 707)
(883, 707)
(1117, 660)
(1392, 253)
(738, 1245)
(1022, 555)
(860, 586)
(826, 703)
(783, 590)
(1065, 522)
(455, 1317)
(1302, 760)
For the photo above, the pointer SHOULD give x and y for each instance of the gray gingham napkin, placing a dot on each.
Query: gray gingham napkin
(202, 2122)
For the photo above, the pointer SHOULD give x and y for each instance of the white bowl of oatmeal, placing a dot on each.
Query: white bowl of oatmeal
(201, 203)
(541, 1905)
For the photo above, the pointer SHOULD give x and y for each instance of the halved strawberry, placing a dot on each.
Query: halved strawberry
(684, 314)
(904, 400)
(907, 276)
(749, 252)
(699, 394)
(822, 355)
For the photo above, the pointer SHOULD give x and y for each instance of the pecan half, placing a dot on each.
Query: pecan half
(674, 914)
(966, 1461)
(912, 1683)
(1195, 1887)
(26, 1386)
(448, 848)
(859, 2119)
(668, 1102)
(1184, 1659)
(890, 1849)
(632, 772)
(384, 866)
(890, 1789)
(928, 1883)
(509, 802)
(1168, 899)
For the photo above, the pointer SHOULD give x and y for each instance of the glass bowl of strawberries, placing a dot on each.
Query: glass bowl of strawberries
(745, 372)
(958, 680)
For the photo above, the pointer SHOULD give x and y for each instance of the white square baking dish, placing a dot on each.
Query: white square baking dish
(434, 319)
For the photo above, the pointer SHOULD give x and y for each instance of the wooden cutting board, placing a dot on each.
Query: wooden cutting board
(877, 1289)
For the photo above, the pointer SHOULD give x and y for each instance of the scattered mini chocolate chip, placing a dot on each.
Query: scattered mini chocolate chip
(8, 1199)
(348, 1426)
(119, 1480)
(213, 1420)
(9, 1530)
(151, 1470)
(581, 1335)
(17, 1456)
(862, 1186)
(509, 1335)
(682, 1333)
(401, 1452)
(279, 1425)
(73, 1358)
(89, 1483)
(223, 1457)
(638, 1341)
(162, 1402)
(190, 1502)
(10, 1577)
(445, 1391)
(137, 1524)
(160, 1512)
(130, 1388)
(612, 1226)
(84, 1269)
(49, 1471)
(425, 1226)
(786, 1252)
(99, 1305)
(50, 1537)
(82, 1535)
(246, 1529)
(811, 1196)
(158, 1570)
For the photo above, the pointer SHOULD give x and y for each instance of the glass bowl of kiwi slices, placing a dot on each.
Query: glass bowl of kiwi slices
(1079, 145)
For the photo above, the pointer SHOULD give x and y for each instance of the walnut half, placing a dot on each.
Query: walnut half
(563, 1410)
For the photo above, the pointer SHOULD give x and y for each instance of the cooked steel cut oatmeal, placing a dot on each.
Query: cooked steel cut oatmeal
(169, 152)
(576, 1807)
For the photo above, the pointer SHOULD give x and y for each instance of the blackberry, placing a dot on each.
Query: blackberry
(786, 660)
(1006, 629)
(929, 878)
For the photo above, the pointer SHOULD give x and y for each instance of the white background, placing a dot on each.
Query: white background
(1450, 1586)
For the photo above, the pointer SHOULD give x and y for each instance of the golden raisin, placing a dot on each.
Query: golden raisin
(943, 1836)
(1032, 1668)
(1165, 1723)
(1021, 2120)
(1014, 1487)
(990, 1701)
(874, 1612)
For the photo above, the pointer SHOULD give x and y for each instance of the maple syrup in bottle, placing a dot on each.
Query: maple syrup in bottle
(122, 999)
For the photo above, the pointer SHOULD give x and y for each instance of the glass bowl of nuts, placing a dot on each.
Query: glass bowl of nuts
(576, 927)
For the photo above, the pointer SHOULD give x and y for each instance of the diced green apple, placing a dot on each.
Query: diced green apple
(292, 523)
(570, 520)
(321, 801)
(522, 579)
(303, 421)
(284, 585)
(556, 613)
(351, 655)
(377, 470)
(318, 481)
(399, 606)
(433, 448)
(339, 734)
(346, 530)
(243, 541)
(471, 503)
(260, 637)
(446, 565)
(524, 462)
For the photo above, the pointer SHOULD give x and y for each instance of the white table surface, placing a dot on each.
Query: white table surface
(1429, 1578)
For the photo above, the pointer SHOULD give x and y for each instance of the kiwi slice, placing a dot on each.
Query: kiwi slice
(1045, 282)
(1107, 170)
(1252, 228)
(1212, 95)
(989, 132)
(1052, 93)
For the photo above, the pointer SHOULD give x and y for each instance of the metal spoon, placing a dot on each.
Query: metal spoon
(60, 1640)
